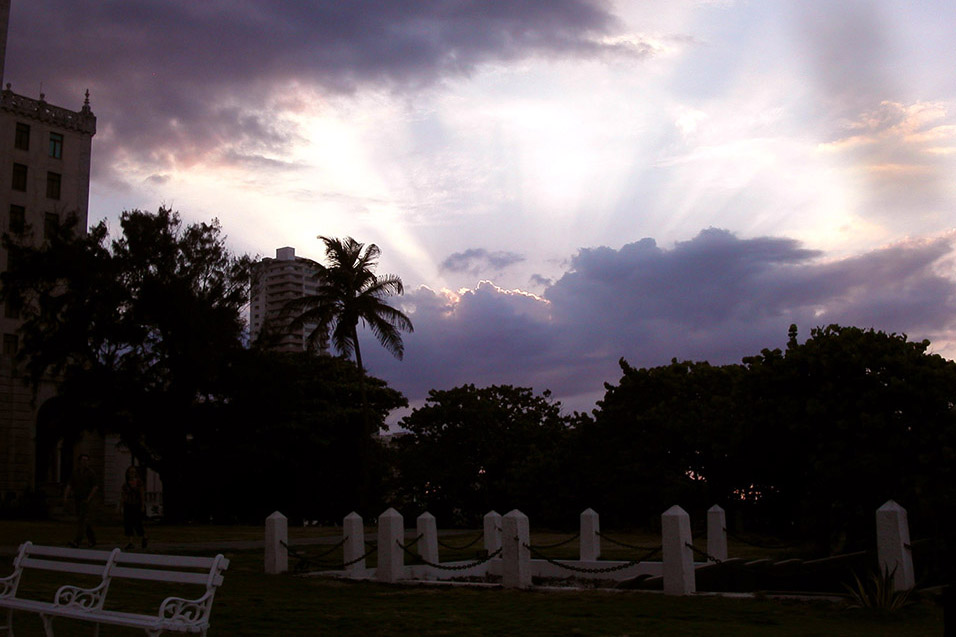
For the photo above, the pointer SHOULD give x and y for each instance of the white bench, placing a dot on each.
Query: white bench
(175, 614)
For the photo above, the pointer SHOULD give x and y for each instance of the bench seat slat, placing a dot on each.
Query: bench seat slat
(33, 605)
(113, 617)
(64, 567)
(136, 620)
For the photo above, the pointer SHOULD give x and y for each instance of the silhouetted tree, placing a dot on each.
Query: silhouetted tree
(841, 423)
(137, 329)
(808, 441)
(470, 450)
(663, 435)
(287, 437)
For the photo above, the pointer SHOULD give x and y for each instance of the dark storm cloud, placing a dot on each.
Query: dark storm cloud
(476, 260)
(177, 80)
(716, 297)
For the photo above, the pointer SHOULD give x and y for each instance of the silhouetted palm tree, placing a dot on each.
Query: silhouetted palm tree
(349, 291)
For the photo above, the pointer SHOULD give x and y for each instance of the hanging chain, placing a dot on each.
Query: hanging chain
(584, 569)
(705, 554)
(624, 544)
(405, 547)
(446, 567)
(556, 544)
(461, 548)
(771, 547)
(361, 557)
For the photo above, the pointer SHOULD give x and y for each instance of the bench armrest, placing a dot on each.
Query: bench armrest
(8, 585)
(190, 611)
(83, 598)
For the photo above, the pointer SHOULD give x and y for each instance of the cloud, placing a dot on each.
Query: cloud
(181, 82)
(477, 260)
(850, 48)
(903, 155)
(715, 297)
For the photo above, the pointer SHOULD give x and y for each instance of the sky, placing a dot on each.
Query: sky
(559, 183)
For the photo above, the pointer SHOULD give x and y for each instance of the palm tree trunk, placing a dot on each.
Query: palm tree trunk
(365, 440)
(361, 369)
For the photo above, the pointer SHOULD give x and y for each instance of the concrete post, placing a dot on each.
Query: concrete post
(428, 543)
(492, 529)
(277, 533)
(353, 528)
(391, 557)
(515, 554)
(678, 557)
(590, 541)
(717, 533)
(893, 540)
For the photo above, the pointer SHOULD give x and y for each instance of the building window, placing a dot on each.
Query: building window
(22, 139)
(10, 344)
(19, 177)
(51, 221)
(53, 185)
(11, 309)
(18, 219)
(56, 145)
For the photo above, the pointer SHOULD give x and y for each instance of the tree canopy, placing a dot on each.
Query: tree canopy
(137, 329)
(812, 439)
(288, 437)
(469, 450)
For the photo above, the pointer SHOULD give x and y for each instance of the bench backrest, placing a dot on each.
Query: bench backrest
(204, 571)
(65, 560)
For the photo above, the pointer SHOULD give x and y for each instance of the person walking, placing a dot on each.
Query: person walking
(134, 507)
(82, 486)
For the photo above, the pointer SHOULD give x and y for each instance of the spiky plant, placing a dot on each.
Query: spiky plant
(877, 592)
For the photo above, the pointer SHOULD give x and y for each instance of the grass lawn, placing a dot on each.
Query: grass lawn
(251, 603)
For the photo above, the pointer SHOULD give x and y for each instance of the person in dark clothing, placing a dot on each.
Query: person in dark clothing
(134, 507)
(83, 487)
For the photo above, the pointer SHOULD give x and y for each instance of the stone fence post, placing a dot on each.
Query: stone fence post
(277, 533)
(678, 556)
(717, 533)
(353, 529)
(590, 540)
(516, 557)
(492, 531)
(893, 545)
(426, 527)
(391, 557)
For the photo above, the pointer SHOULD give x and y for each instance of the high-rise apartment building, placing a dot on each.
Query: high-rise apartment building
(45, 153)
(276, 282)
